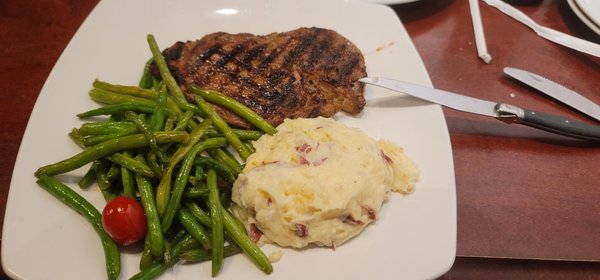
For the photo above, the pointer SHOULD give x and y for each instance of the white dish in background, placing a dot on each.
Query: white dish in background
(415, 236)
(584, 17)
(591, 8)
(389, 2)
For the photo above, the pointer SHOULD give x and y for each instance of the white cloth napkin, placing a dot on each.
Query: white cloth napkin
(547, 33)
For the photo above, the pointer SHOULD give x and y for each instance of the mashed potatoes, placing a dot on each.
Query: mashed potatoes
(317, 181)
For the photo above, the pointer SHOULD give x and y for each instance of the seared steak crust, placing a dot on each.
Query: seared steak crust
(307, 72)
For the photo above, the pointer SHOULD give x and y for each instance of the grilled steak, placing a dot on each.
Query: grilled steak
(307, 72)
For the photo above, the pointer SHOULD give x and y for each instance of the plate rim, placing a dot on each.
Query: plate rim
(583, 5)
(581, 15)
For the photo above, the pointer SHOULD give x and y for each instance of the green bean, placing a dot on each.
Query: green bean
(113, 173)
(193, 180)
(182, 178)
(160, 267)
(199, 174)
(195, 192)
(155, 232)
(216, 214)
(229, 154)
(157, 121)
(127, 182)
(89, 141)
(151, 272)
(147, 131)
(193, 228)
(117, 109)
(167, 77)
(243, 134)
(146, 80)
(107, 97)
(88, 178)
(248, 246)
(177, 236)
(221, 156)
(220, 167)
(168, 253)
(199, 255)
(110, 94)
(177, 108)
(83, 207)
(104, 183)
(248, 134)
(196, 256)
(106, 127)
(239, 226)
(163, 191)
(200, 215)
(226, 198)
(199, 177)
(147, 258)
(156, 82)
(161, 64)
(187, 242)
(127, 90)
(183, 122)
(156, 167)
(76, 136)
(131, 164)
(249, 146)
(235, 106)
(173, 107)
(107, 148)
(224, 128)
(169, 124)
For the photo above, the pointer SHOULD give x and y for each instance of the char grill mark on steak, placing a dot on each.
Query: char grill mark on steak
(297, 51)
(306, 72)
(274, 53)
(347, 68)
(252, 55)
(226, 57)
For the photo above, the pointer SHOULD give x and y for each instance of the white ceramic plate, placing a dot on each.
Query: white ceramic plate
(591, 8)
(577, 7)
(415, 237)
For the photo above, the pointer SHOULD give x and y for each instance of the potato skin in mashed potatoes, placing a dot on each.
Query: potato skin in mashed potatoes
(317, 181)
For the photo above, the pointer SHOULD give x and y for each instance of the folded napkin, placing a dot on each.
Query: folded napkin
(547, 33)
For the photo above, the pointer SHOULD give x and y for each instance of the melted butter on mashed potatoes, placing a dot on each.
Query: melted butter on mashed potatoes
(317, 181)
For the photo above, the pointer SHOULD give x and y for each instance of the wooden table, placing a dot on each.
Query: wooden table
(527, 200)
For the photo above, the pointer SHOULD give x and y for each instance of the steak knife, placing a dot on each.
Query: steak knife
(556, 91)
(502, 111)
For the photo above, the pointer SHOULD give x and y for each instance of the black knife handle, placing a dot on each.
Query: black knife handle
(548, 122)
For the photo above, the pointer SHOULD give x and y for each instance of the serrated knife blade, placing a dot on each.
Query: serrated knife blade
(556, 91)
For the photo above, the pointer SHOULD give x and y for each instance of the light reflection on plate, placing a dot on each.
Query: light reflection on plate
(415, 237)
(227, 11)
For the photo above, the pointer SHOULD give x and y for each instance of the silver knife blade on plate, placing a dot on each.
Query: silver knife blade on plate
(556, 91)
(505, 112)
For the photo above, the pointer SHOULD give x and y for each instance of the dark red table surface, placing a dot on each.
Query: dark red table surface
(527, 200)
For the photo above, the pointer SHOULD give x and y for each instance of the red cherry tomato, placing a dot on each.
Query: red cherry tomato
(124, 220)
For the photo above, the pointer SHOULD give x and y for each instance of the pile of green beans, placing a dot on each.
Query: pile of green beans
(178, 158)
